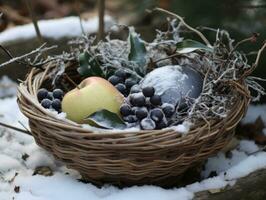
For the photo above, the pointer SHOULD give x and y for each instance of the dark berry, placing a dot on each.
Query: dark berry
(58, 94)
(137, 99)
(42, 94)
(134, 109)
(148, 91)
(130, 118)
(125, 110)
(50, 96)
(121, 73)
(141, 113)
(156, 114)
(129, 83)
(147, 124)
(56, 104)
(135, 89)
(162, 124)
(46, 103)
(168, 109)
(156, 100)
(121, 88)
(114, 80)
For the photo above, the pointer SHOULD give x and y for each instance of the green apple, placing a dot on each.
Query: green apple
(91, 95)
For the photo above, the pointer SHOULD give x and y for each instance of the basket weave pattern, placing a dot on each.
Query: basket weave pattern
(144, 157)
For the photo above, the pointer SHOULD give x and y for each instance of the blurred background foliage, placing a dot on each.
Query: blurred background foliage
(240, 17)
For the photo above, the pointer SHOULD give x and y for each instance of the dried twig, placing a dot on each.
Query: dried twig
(250, 70)
(40, 49)
(185, 24)
(101, 9)
(14, 128)
(34, 20)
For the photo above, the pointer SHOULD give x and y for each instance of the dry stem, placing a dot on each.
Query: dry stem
(185, 24)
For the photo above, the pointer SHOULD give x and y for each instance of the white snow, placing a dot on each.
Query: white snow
(13, 145)
(264, 131)
(54, 28)
(253, 112)
(7, 87)
(182, 128)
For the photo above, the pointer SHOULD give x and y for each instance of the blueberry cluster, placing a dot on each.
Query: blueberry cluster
(143, 106)
(122, 81)
(50, 100)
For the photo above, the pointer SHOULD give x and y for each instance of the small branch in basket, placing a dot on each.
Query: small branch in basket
(253, 38)
(71, 81)
(14, 128)
(41, 49)
(168, 57)
(185, 24)
(248, 72)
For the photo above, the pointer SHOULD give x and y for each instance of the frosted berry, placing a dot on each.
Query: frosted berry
(137, 99)
(56, 104)
(42, 94)
(141, 113)
(135, 89)
(125, 110)
(129, 83)
(147, 124)
(121, 73)
(121, 88)
(156, 100)
(168, 109)
(148, 91)
(114, 80)
(156, 114)
(130, 118)
(46, 103)
(50, 96)
(58, 94)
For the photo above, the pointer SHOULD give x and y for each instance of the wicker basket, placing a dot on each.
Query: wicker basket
(124, 158)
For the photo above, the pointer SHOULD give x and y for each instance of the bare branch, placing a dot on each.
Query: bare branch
(185, 24)
(41, 49)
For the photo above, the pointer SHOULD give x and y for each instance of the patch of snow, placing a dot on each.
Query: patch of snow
(248, 146)
(207, 184)
(246, 166)
(182, 128)
(64, 187)
(254, 111)
(264, 131)
(54, 28)
(8, 163)
(7, 87)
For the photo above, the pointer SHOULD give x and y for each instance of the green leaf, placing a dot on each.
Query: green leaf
(88, 66)
(106, 119)
(187, 46)
(137, 53)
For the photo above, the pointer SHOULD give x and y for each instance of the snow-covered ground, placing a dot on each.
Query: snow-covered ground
(54, 28)
(19, 157)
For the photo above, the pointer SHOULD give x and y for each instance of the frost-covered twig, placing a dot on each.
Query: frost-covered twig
(40, 49)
